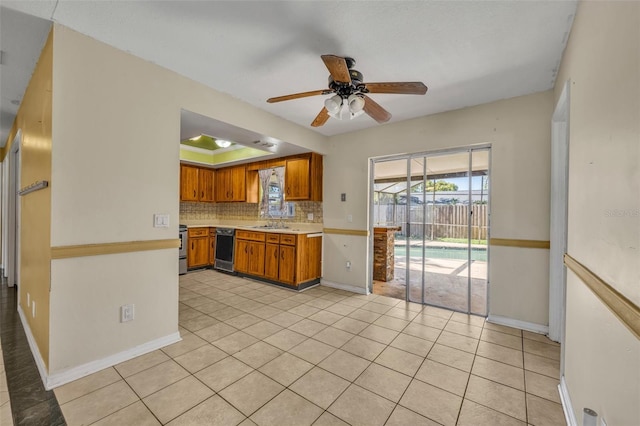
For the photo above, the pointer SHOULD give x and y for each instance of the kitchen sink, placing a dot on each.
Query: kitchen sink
(270, 227)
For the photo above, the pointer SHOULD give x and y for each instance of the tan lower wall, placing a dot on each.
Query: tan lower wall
(86, 296)
(602, 359)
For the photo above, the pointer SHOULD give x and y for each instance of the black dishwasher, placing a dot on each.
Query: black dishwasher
(225, 241)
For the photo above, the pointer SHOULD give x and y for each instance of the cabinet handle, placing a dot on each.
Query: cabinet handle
(192, 247)
(282, 255)
(202, 194)
(251, 251)
(195, 194)
(245, 249)
(275, 254)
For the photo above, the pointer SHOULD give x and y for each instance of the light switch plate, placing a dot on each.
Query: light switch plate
(127, 313)
(160, 220)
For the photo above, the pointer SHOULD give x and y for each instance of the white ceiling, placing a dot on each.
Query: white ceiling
(466, 52)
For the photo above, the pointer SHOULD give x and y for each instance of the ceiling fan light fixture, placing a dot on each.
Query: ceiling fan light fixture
(356, 103)
(333, 104)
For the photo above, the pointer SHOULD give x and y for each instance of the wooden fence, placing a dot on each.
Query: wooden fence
(434, 221)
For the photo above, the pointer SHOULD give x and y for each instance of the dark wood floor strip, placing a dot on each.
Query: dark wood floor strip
(31, 404)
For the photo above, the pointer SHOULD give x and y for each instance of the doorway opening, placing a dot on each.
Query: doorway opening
(11, 242)
(430, 228)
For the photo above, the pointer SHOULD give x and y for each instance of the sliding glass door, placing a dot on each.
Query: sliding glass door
(438, 204)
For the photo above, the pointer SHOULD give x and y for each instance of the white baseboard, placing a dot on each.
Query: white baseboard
(42, 369)
(523, 325)
(74, 373)
(566, 403)
(346, 287)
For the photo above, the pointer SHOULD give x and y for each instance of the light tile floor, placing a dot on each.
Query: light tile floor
(253, 353)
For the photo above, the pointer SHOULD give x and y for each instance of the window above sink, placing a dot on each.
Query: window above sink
(272, 203)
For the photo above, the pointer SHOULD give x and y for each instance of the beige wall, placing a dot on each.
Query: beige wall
(518, 130)
(34, 119)
(116, 163)
(602, 61)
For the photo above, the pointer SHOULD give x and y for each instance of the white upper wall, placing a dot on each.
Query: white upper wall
(116, 140)
(602, 62)
(518, 130)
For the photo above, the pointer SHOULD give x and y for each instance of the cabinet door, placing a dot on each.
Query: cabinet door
(212, 249)
(286, 269)
(205, 185)
(238, 183)
(188, 183)
(296, 179)
(241, 261)
(198, 253)
(271, 261)
(256, 259)
(222, 190)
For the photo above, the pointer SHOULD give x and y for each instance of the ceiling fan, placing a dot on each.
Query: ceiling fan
(349, 90)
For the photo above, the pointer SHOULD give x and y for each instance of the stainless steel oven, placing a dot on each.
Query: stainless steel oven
(225, 240)
(182, 251)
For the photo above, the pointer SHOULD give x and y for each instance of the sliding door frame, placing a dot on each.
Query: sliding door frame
(470, 149)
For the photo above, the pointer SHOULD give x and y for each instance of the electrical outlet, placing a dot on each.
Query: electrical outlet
(127, 313)
(33, 309)
(348, 264)
(349, 218)
(309, 216)
(28, 300)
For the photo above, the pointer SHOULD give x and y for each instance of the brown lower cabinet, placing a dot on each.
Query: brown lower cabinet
(291, 259)
(249, 257)
(202, 247)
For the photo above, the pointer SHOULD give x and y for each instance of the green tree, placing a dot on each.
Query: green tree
(441, 185)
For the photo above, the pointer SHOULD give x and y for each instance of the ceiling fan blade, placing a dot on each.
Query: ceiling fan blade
(405, 88)
(321, 118)
(375, 111)
(299, 95)
(337, 67)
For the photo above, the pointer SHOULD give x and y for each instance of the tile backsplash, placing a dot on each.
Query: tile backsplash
(246, 211)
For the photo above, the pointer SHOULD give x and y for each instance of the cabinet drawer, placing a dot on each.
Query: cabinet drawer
(212, 232)
(250, 235)
(198, 232)
(288, 239)
(273, 238)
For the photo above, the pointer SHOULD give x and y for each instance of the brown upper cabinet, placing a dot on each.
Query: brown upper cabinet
(303, 178)
(205, 185)
(196, 184)
(230, 183)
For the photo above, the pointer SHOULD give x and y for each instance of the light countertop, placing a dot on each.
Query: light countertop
(292, 227)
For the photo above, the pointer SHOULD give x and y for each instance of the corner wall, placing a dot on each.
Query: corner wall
(34, 120)
(519, 132)
(602, 61)
(116, 162)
